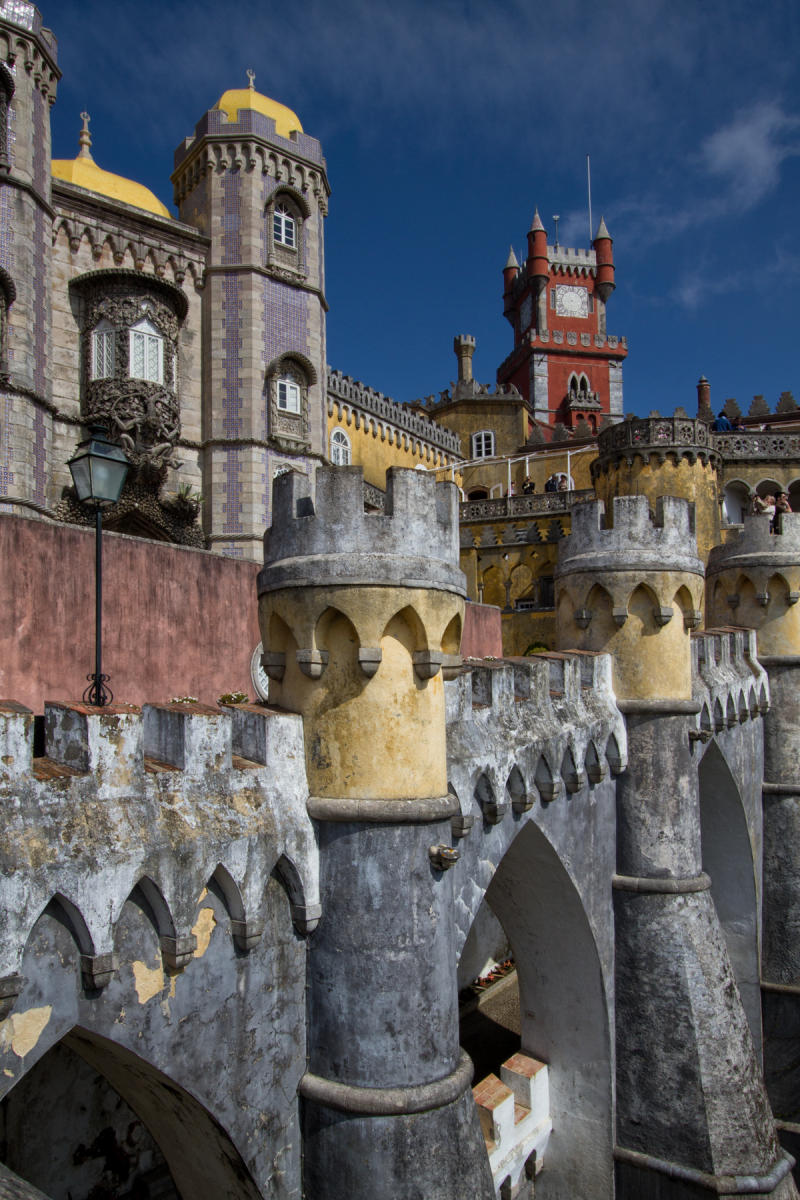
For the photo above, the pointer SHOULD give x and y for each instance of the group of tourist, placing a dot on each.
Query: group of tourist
(557, 483)
(771, 506)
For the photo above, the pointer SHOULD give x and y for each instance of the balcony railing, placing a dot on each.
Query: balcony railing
(545, 503)
(757, 444)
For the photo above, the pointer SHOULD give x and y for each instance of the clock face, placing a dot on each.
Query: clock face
(572, 302)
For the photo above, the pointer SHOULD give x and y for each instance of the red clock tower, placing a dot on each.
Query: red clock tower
(564, 362)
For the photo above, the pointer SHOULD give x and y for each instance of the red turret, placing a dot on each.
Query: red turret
(603, 248)
(538, 263)
(510, 271)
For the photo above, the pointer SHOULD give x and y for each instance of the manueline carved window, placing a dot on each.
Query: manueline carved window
(103, 351)
(146, 353)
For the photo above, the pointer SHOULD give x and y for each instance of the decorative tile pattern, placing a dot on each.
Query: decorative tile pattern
(40, 321)
(232, 504)
(232, 352)
(231, 218)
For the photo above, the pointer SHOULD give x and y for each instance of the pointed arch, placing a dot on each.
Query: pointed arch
(517, 792)
(147, 895)
(222, 884)
(63, 910)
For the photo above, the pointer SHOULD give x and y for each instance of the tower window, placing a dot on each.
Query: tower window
(146, 353)
(288, 395)
(340, 448)
(483, 444)
(103, 351)
(284, 227)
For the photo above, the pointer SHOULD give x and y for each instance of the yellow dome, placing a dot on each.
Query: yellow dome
(285, 120)
(85, 172)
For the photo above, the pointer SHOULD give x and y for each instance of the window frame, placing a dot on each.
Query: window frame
(103, 335)
(340, 448)
(284, 222)
(480, 440)
(153, 340)
(292, 399)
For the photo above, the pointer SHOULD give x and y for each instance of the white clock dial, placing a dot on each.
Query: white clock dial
(572, 302)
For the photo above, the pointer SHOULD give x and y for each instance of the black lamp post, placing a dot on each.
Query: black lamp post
(98, 470)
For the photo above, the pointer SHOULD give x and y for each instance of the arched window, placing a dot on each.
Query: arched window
(103, 351)
(288, 394)
(583, 386)
(483, 444)
(340, 448)
(284, 227)
(573, 385)
(146, 353)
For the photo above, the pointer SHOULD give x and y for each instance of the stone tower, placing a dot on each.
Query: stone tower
(28, 78)
(754, 580)
(683, 1042)
(564, 362)
(255, 184)
(357, 624)
(662, 456)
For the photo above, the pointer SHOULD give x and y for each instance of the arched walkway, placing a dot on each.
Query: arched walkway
(728, 859)
(178, 1140)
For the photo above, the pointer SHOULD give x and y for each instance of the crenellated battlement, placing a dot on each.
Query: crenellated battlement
(637, 538)
(170, 794)
(328, 539)
(756, 545)
(728, 682)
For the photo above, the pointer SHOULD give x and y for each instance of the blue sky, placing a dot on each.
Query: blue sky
(445, 123)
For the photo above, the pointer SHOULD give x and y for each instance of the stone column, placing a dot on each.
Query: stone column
(357, 614)
(693, 1117)
(757, 577)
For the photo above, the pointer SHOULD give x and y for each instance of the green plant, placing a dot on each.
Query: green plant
(233, 698)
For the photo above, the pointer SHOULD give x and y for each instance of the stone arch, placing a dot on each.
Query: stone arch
(643, 600)
(71, 917)
(735, 501)
(766, 487)
(494, 591)
(596, 770)
(416, 637)
(485, 795)
(516, 790)
(614, 755)
(451, 638)
(547, 782)
(521, 582)
(199, 1154)
(572, 777)
(728, 858)
(563, 1009)
(225, 886)
(147, 896)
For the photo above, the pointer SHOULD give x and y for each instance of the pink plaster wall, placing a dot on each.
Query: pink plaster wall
(175, 622)
(483, 632)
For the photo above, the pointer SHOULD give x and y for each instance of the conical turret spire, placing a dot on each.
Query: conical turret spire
(602, 230)
(536, 223)
(511, 261)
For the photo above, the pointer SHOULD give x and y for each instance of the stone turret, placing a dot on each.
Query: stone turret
(754, 580)
(662, 456)
(358, 614)
(633, 589)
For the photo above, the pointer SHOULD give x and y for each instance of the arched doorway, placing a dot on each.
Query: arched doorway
(728, 859)
(562, 1010)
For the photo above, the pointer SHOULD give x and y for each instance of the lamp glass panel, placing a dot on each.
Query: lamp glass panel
(81, 476)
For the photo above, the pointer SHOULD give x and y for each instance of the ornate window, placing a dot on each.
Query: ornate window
(146, 353)
(287, 382)
(284, 227)
(340, 448)
(6, 92)
(103, 351)
(289, 394)
(483, 444)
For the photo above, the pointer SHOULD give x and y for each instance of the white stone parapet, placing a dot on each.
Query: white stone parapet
(514, 1112)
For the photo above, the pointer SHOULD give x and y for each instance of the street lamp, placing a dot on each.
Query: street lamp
(98, 470)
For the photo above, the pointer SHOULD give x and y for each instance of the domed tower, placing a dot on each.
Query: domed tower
(754, 580)
(357, 623)
(633, 589)
(662, 456)
(28, 79)
(256, 185)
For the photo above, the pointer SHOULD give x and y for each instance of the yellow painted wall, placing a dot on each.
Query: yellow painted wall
(376, 452)
(777, 623)
(368, 737)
